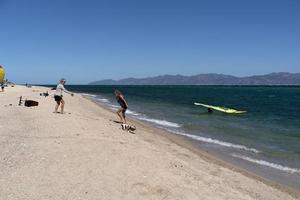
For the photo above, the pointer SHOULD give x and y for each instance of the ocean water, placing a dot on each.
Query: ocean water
(265, 140)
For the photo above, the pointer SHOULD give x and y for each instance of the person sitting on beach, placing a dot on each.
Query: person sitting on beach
(121, 100)
(58, 97)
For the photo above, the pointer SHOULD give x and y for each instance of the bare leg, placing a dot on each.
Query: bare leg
(56, 108)
(119, 112)
(62, 106)
(123, 115)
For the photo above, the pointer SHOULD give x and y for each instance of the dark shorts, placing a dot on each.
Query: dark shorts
(57, 99)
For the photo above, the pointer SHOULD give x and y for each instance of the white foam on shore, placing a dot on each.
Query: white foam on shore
(115, 107)
(88, 95)
(97, 98)
(268, 164)
(130, 112)
(102, 100)
(218, 142)
(160, 122)
(141, 116)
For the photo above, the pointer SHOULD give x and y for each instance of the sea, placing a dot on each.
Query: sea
(265, 140)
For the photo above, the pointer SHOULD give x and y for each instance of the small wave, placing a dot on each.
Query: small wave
(114, 106)
(102, 100)
(268, 164)
(218, 142)
(89, 95)
(160, 122)
(130, 112)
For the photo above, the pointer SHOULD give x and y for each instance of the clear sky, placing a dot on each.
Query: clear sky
(88, 40)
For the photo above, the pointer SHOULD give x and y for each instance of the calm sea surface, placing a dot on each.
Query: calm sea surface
(266, 139)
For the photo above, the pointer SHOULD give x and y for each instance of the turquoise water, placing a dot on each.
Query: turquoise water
(266, 138)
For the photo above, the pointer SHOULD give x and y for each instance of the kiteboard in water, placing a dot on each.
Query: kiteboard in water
(221, 109)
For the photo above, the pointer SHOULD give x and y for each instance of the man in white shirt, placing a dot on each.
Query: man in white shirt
(58, 97)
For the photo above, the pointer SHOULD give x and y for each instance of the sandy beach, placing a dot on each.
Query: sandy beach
(83, 154)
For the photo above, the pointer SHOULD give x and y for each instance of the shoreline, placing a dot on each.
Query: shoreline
(83, 154)
(190, 144)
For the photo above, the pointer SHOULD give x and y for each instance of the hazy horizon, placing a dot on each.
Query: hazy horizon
(89, 81)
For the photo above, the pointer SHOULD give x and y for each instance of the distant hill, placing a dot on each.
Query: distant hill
(282, 78)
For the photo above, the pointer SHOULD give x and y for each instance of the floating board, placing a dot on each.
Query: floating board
(2, 74)
(221, 109)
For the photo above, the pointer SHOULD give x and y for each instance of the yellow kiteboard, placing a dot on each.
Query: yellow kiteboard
(2, 74)
(221, 109)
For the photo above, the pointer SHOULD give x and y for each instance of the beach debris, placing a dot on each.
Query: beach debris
(128, 128)
(31, 103)
(20, 101)
(28, 103)
(45, 94)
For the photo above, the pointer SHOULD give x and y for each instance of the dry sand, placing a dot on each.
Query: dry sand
(84, 155)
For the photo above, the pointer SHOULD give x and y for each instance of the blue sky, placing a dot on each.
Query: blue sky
(83, 41)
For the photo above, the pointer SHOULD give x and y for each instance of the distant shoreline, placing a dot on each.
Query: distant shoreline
(275, 85)
(280, 78)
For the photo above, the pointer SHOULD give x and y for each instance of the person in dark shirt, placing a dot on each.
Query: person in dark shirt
(121, 100)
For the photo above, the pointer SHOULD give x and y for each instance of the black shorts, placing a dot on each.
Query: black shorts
(57, 98)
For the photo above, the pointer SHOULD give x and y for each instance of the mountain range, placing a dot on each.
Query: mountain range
(281, 78)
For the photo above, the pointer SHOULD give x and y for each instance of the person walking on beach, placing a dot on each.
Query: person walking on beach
(121, 100)
(58, 97)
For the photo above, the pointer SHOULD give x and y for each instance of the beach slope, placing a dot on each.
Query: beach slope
(83, 154)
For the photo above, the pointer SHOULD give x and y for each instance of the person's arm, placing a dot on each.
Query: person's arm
(66, 91)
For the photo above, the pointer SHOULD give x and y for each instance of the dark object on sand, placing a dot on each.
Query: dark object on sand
(20, 101)
(45, 94)
(27, 85)
(128, 128)
(118, 122)
(30, 103)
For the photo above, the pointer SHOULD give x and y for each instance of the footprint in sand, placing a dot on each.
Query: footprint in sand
(145, 189)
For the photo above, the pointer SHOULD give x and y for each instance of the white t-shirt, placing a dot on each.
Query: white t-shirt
(60, 89)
